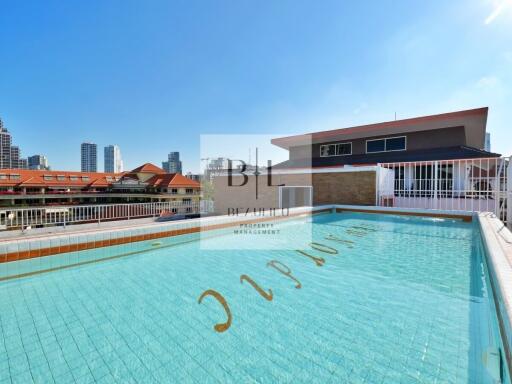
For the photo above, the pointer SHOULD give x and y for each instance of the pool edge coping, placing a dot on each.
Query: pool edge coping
(498, 252)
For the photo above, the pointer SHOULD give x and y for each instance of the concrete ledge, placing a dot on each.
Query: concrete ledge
(462, 215)
(497, 241)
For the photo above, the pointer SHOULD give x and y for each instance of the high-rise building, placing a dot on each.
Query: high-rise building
(196, 177)
(173, 163)
(23, 164)
(5, 147)
(89, 157)
(10, 155)
(215, 166)
(113, 160)
(38, 162)
(487, 142)
(15, 156)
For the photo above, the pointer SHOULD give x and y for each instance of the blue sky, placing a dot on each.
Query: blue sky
(153, 76)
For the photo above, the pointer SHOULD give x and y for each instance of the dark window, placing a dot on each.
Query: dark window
(328, 150)
(375, 146)
(340, 149)
(395, 144)
(386, 144)
(344, 149)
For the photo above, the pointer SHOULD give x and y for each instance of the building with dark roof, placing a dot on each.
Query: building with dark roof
(363, 164)
(455, 135)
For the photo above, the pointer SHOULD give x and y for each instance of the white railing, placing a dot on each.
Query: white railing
(21, 218)
(476, 185)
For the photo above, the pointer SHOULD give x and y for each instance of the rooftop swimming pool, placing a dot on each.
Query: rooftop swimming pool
(367, 299)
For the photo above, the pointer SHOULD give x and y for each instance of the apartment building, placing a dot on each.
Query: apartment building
(173, 163)
(146, 183)
(89, 157)
(38, 162)
(113, 161)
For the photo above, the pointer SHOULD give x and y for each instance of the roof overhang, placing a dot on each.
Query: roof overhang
(474, 122)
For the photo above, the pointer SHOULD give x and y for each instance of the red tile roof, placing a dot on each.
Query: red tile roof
(58, 179)
(170, 180)
(66, 179)
(148, 168)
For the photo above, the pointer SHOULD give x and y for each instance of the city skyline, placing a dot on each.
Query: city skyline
(256, 72)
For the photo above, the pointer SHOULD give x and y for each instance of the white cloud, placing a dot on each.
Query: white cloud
(498, 10)
(487, 82)
(360, 108)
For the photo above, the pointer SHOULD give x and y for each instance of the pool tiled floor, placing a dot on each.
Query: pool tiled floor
(406, 304)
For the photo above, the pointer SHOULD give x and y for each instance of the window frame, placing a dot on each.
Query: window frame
(336, 149)
(396, 137)
(385, 144)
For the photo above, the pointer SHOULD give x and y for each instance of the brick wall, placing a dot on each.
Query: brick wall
(356, 188)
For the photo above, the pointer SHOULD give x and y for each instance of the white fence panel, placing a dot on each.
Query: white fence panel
(11, 218)
(476, 185)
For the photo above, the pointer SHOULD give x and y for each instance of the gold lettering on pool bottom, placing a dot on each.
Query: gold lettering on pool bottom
(285, 270)
(220, 327)
(355, 232)
(324, 248)
(319, 261)
(268, 296)
(364, 228)
(280, 267)
(348, 243)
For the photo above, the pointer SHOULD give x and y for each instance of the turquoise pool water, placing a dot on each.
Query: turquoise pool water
(404, 300)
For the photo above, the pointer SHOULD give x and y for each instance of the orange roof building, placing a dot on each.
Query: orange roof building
(143, 184)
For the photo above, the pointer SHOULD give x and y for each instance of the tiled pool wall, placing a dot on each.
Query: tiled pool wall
(47, 252)
(23, 257)
(499, 270)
